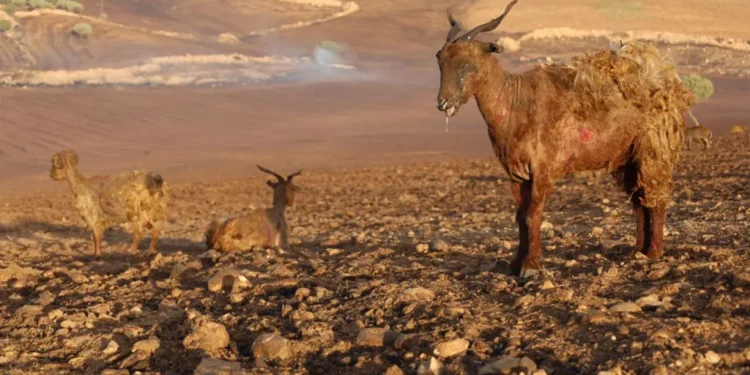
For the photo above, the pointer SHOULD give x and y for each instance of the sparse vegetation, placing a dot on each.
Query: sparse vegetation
(70, 6)
(4, 25)
(701, 86)
(10, 9)
(41, 4)
(82, 30)
(18, 3)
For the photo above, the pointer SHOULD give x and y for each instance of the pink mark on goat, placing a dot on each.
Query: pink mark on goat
(585, 135)
(501, 116)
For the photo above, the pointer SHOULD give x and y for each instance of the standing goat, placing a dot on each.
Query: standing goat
(698, 133)
(258, 228)
(620, 110)
(134, 196)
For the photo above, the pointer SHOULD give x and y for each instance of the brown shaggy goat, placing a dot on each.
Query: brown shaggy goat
(134, 196)
(620, 110)
(258, 228)
(698, 133)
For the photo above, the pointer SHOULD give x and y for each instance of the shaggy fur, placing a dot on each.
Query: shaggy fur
(620, 110)
(698, 133)
(738, 129)
(135, 196)
(259, 228)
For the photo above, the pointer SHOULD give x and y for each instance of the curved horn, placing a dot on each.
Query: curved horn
(455, 28)
(278, 176)
(289, 178)
(489, 26)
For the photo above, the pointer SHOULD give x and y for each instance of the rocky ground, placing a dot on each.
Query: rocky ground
(394, 270)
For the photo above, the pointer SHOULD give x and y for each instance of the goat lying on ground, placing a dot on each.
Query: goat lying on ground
(738, 129)
(620, 110)
(698, 133)
(134, 196)
(258, 228)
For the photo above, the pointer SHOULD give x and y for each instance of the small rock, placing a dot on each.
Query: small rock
(227, 280)
(712, 357)
(546, 225)
(55, 314)
(115, 372)
(376, 337)
(148, 346)
(430, 367)
(302, 293)
(651, 300)
(423, 248)
(625, 307)
(321, 293)
(596, 317)
(419, 294)
(407, 341)
(597, 231)
(451, 348)
(502, 365)
(547, 284)
(111, 348)
(209, 336)
(741, 280)
(439, 245)
(394, 370)
(210, 366)
(270, 346)
(662, 333)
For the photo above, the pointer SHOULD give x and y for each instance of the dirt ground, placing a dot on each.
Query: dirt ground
(364, 241)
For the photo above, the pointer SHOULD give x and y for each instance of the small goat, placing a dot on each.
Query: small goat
(620, 110)
(698, 133)
(135, 196)
(738, 129)
(258, 228)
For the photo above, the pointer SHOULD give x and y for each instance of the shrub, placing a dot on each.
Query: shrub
(18, 3)
(82, 30)
(70, 6)
(4, 25)
(40, 4)
(10, 9)
(3, 2)
(701, 86)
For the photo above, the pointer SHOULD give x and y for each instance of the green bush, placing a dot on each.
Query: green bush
(3, 2)
(701, 86)
(18, 3)
(70, 6)
(10, 9)
(4, 25)
(41, 4)
(82, 30)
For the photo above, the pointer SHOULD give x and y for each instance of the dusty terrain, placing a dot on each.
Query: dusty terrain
(362, 240)
(392, 202)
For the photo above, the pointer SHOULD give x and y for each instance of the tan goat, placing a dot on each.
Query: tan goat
(738, 129)
(698, 133)
(135, 196)
(258, 228)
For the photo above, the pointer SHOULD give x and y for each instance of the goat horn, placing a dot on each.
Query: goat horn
(489, 26)
(289, 178)
(278, 176)
(455, 28)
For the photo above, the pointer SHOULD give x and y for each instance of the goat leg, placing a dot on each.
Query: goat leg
(97, 239)
(154, 239)
(137, 235)
(643, 225)
(522, 194)
(658, 218)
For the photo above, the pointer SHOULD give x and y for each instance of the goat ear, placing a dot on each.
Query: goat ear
(271, 183)
(494, 48)
(57, 161)
(72, 158)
